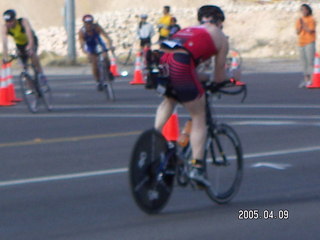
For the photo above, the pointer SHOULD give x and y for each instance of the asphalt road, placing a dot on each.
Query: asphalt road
(63, 174)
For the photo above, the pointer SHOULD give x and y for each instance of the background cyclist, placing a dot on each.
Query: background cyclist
(182, 53)
(24, 37)
(90, 37)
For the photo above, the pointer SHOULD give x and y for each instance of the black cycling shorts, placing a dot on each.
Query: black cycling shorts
(145, 41)
(184, 83)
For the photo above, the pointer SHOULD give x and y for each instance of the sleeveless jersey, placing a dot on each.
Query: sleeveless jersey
(93, 39)
(18, 33)
(197, 41)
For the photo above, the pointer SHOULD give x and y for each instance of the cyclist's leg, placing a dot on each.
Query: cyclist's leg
(196, 108)
(164, 111)
(93, 58)
(22, 53)
(35, 58)
(188, 91)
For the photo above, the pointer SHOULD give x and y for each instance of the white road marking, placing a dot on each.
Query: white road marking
(223, 106)
(282, 152)
(278, 166)
(62, 177)
(124, 170)
(152, 115)
(267, 123)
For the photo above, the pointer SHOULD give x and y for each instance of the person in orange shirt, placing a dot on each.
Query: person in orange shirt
(306, 31)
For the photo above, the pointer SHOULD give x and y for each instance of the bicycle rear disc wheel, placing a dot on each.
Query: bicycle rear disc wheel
(224, 164)
(29, 92)
(151, 180)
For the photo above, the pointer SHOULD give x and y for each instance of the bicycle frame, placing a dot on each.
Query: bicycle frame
(211, 126)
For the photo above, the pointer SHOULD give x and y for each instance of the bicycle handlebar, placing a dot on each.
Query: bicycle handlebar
(11, 58)
(228, 87)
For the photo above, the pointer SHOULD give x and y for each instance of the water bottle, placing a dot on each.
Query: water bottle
(184, 137)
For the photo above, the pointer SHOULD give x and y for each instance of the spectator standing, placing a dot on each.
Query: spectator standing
(164, 23)
(174, 27)
(306, 31)
(145, 32)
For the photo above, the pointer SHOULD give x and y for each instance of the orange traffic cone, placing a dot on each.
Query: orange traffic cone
(316, 73)
(11, 91)
(171, 129)
(114, 67)
(4, 94)
(138, 75)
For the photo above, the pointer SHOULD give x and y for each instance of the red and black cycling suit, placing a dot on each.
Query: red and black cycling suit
(199, 46)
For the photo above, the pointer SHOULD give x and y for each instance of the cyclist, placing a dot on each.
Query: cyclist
(89, 38)
(24, 37)
(182, 53)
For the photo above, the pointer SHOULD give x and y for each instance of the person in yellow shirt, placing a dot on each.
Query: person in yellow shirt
(24, 37)
(306, 31)
(164, 23)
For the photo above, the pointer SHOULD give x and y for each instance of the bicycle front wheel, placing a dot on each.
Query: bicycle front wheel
(108, 87)
(46, 94)
(29, 92)
(105, 82)
(224, 164)
(151, 179)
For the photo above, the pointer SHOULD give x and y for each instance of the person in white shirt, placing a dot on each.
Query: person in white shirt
(145, 32)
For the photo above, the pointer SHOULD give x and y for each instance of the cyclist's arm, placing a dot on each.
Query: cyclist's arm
(81, 40)
(220, 61)
(29, 33)
(106, 36)
(4, 42)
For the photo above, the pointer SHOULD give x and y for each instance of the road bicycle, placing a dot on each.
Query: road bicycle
(155, 162)
(126, 58)
(33, 89)
(105, 76)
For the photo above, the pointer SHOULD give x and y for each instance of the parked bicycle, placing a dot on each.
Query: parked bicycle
(155, 162)
(33, 89)
(105, 76)
(126, 58)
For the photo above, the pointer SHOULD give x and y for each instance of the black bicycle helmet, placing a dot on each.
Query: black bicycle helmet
(211, 11)
(88, 18)
(9, 15)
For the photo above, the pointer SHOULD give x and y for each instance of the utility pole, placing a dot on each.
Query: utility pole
(70, 28)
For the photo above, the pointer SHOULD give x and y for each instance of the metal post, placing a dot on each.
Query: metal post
(70, 27)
